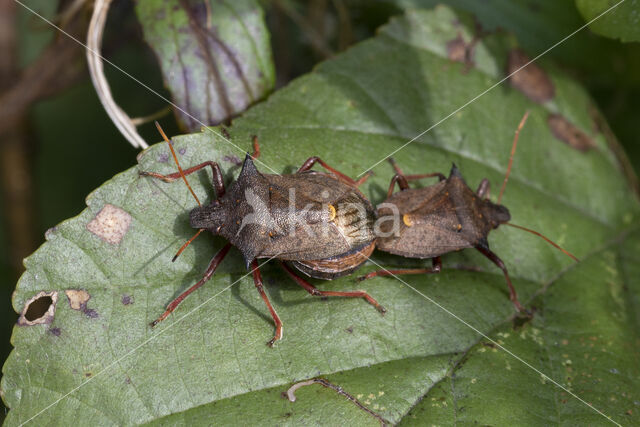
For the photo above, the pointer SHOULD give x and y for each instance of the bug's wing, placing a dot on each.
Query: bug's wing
(427, 224)
(317, 217)
(423, 241)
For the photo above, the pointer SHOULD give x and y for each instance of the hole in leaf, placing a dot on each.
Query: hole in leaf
(38, 308)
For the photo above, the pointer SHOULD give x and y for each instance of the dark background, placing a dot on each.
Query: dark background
(69, 146)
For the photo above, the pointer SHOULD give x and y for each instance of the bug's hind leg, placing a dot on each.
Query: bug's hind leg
(257, 280)
(513, 296)
(436, 268)
(316, 292)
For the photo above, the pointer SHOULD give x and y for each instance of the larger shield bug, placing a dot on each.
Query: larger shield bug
(318, 223)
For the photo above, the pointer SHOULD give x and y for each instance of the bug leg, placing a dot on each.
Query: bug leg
(207, 275)
(403, 180)
(257, 280)
(400, 180)
(437, 267)
(425, 175)
(218, 181)
(256, 147)
(316, 292)
(512, 291)
(484, 188)
(348, 180)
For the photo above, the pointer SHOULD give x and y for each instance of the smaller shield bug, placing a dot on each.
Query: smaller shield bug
(318, 223)
(445, 217)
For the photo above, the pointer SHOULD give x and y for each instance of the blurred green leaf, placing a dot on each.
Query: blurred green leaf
(213, 366)
(215, 55)
(622, 23)
(541, 24)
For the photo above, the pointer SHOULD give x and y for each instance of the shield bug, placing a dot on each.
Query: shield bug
(318, 223)
(444, 217)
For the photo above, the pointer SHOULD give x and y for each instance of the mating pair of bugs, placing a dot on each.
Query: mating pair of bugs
(437, 219)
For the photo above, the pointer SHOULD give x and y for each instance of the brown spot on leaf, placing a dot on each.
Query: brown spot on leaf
(457, 49)
(55, 331)
(89, 312)
(460, 51)
(531, 80)
(110, 224)
(568, 133)
(126, 299)
(39, 309)
(77, 298)
(78, 301)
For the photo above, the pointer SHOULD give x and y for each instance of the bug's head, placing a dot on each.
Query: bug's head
(496, 214)
(211, 217)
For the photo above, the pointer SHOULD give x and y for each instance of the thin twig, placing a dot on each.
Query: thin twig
(94, 43)
(290, 394)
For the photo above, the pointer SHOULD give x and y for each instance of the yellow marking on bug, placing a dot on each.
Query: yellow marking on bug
(332, 213)
(406, 218)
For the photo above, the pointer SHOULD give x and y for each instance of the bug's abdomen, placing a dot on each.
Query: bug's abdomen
(338, 266)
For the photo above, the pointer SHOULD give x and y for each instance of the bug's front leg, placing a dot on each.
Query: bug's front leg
(403, 180)
(218, 181)
(513, 296)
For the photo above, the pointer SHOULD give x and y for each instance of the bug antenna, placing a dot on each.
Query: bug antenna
(175, 158)
(187, 243)
(513, 152)
(552, 243)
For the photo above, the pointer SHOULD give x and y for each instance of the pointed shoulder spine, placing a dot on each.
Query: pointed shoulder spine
(455, 171)
(248, 168)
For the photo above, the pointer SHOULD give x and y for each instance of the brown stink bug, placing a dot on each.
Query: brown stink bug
(444, 217)
(319, 223)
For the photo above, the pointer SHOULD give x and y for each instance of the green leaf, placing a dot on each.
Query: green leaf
(622, 23)
(584, 354)
(215, 55)
(209, 361)
(541, 24)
